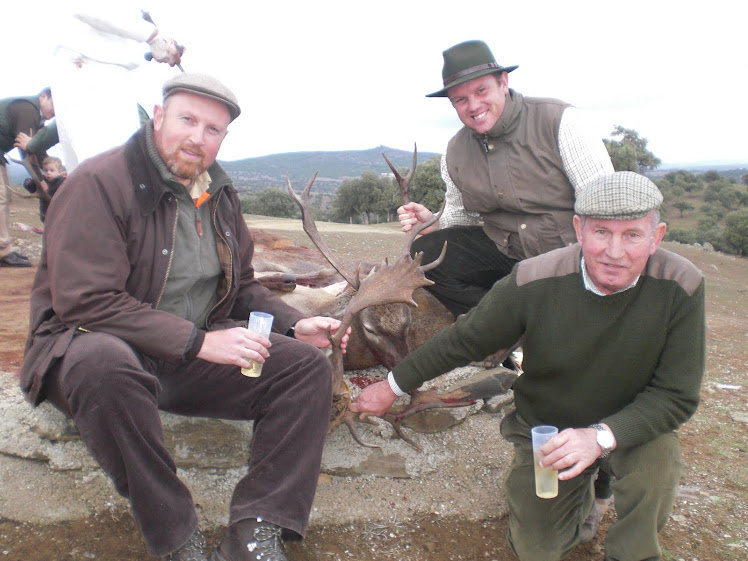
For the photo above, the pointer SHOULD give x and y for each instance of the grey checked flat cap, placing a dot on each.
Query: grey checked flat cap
(623, 195)
(202, 84)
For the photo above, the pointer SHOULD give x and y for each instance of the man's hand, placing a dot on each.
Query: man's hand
(575, 449)
(237, 346)
(411, 214)
(22, 141)
(375, 399)
(314, 330)
(165, 49)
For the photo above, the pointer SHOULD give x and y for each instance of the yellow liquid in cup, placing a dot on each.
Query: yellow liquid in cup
(546, 481)
(253, 372)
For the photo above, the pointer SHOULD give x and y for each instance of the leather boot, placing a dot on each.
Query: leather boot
(251, 540)
(196, 549)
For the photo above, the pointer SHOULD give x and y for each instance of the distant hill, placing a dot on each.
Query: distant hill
(270, 171)
(251, 174)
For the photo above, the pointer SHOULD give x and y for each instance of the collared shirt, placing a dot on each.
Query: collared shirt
(589, 285)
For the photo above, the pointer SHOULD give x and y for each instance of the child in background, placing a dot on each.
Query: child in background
(52, 169)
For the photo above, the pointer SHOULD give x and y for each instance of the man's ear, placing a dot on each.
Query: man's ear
(158, 117)
(658, 236)
(578, 227)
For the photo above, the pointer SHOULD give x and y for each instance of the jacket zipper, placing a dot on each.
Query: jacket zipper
(171, 253)
(231, 258)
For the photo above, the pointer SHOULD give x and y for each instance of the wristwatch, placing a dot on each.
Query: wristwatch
(605, 439)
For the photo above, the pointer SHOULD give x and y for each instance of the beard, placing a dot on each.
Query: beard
(185, 169)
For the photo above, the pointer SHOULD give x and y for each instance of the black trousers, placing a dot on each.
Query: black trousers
(470, 268)
(113, 393)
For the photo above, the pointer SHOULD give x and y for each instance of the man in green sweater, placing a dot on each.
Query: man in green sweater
(614, 348)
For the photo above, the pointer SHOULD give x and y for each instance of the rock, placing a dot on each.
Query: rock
(739, 416)
(49, 476)
(709, 248)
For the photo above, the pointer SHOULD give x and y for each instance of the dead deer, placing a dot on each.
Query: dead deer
(385, 284)
(387, 288)
(381, 334)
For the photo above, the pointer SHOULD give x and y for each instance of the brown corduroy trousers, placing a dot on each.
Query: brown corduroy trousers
(114, 394)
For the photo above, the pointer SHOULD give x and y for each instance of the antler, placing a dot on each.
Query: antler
(385, 284)
(310, 227)
(404, 183)
(40, 193)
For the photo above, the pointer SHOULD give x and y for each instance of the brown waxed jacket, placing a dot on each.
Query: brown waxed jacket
(108, 243)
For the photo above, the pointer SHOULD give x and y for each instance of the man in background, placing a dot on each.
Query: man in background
(21, 126)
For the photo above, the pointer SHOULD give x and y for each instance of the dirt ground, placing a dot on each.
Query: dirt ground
(709, 522)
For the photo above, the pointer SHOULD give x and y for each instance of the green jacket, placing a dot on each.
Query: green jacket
(633, 360)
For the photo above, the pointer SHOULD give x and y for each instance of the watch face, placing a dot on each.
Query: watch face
(605, 438)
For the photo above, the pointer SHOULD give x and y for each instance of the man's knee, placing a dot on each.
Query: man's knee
(429, 244)
(319, 369)
(100, 365)
(652, 467)
(536, 547)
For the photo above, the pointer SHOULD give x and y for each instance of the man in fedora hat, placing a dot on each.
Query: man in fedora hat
(511, 172)
(614, 346)
(141, 304)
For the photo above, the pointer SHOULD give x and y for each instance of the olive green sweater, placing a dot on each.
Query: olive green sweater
(633, 360)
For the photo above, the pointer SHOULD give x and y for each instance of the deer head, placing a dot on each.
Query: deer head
(385, 284)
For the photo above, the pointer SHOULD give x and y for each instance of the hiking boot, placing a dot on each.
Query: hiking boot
(251, 540)
(592, 522)
(194, 550)
(14, 260)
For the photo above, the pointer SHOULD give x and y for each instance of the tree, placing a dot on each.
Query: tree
(361, 196)
(711, 175)
(630, 153)
(683, 206)
(724, 192)
(736, 231)
(272, 201)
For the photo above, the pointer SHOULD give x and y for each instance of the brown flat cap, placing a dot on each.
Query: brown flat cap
(623, 195)
(207, 86)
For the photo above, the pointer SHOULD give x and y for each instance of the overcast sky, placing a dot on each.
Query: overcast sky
(346, 75)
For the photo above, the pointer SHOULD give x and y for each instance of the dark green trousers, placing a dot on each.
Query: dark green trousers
(644, 482)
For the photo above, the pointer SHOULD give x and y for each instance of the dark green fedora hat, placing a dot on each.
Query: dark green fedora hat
(467, 61)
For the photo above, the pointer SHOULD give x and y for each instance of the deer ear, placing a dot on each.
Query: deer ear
(337, 288)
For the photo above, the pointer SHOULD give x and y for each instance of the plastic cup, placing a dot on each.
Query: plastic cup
(546, 479)
(259, 322)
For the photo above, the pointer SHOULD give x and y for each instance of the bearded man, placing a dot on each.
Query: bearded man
(141, 304)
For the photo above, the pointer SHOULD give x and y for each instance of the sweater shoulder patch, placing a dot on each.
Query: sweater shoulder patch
(666, 265)
(556, 263)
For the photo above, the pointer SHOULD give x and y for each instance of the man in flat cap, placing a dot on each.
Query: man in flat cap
(141, 304)
(511, 174)
(613, 331)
